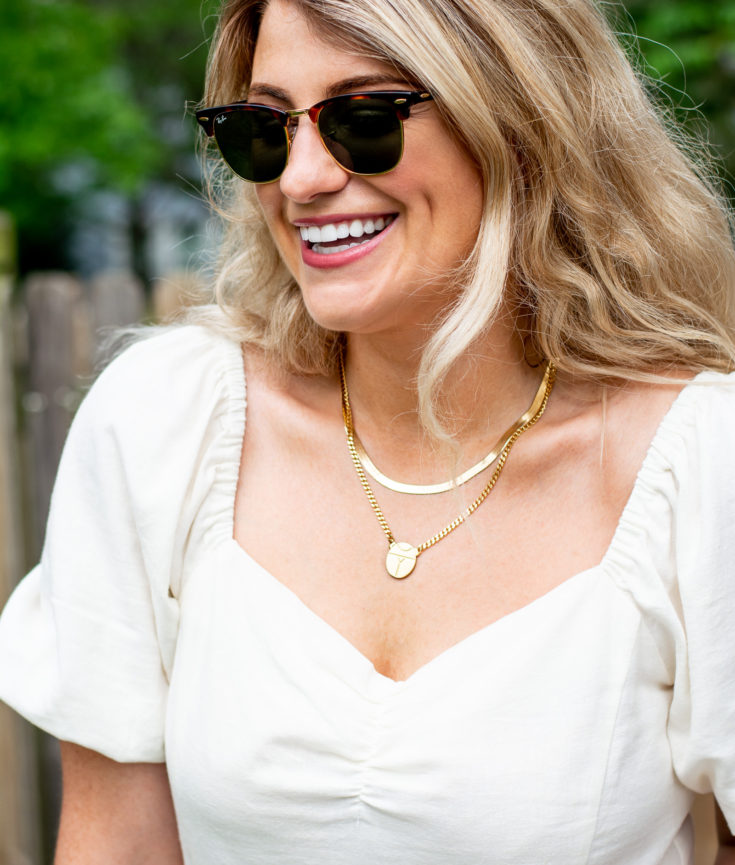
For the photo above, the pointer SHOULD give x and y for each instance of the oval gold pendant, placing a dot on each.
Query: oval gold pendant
(401, 559)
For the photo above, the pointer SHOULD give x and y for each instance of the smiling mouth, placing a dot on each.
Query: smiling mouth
(340, 236)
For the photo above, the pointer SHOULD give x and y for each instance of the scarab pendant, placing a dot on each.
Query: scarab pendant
(401, 559)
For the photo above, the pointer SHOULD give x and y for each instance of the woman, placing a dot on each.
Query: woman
(479, 260)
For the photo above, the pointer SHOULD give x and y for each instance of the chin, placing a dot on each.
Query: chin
(342, 321)
(344, 311)
(351, 310)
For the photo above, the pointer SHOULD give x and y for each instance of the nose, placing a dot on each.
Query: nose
(310, 170)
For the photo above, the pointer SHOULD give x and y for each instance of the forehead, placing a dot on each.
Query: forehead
(294, 53)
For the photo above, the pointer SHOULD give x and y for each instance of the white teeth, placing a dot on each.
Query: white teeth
(330, 250)
(318, 234)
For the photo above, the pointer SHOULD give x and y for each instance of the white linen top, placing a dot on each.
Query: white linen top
(570, 732)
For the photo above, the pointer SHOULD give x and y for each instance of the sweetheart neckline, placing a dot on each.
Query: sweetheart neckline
(424, 669)
(610, 550)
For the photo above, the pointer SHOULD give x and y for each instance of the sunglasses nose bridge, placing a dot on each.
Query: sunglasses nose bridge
(292, 122)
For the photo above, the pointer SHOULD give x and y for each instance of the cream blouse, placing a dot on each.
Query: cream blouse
(570, 732)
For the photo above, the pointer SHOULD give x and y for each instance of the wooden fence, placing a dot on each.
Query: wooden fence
(50, 344)
(20, 838)
(52, 338)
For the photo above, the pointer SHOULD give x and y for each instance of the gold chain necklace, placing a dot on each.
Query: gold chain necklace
(443, 487)
(401, 558)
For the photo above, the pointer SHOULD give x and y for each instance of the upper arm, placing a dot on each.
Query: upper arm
(726, 838)
(115, 812)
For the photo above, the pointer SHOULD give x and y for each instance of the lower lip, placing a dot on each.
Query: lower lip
(339, 259)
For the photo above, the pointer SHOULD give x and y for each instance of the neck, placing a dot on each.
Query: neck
(481, 394)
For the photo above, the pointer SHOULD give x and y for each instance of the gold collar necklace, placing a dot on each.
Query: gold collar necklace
(401, 558)
(443, 487)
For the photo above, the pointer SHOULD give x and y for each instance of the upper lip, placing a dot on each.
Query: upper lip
(340, 217)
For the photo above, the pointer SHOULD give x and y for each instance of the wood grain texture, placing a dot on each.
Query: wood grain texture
(20, 822)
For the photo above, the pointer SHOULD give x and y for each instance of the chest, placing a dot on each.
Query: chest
(526, 737)
(302, 514)
(309, 523)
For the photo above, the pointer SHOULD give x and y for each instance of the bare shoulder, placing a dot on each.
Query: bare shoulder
(287, 400)
(631, 410)
(601, 433)
(634, 410)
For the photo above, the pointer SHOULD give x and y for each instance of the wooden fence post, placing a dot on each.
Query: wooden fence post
(59, 349)
(117, 300)
(57, 360)
(20, 822)
(66, 328)
(173, 293)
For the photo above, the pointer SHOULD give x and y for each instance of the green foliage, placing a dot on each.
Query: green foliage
(94, 91)
(689, 45)
(82, 104)
(64, 100)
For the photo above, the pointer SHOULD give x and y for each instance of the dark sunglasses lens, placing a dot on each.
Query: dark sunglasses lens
(364, 135)
(253, 142)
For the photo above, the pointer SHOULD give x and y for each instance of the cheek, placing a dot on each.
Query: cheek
(469, 206)
(462, 195)
(270, 200)
(443, 178)
(456, 201)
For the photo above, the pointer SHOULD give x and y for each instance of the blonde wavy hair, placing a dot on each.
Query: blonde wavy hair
(603, 226)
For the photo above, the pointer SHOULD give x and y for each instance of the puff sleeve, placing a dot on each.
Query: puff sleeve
(87, 639)
(702, 717)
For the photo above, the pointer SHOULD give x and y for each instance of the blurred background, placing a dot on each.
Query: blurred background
(102, 223)
(97, 166)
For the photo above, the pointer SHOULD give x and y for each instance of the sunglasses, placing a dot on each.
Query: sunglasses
(362, 132)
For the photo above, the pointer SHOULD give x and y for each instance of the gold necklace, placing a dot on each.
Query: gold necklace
(401, 558)
(443, 487)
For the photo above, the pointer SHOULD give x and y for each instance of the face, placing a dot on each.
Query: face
(414, 224)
